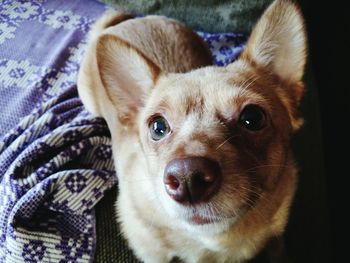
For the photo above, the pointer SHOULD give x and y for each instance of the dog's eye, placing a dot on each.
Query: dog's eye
(252, 118)
(159, 128)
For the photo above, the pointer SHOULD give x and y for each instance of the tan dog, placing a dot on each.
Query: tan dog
(203, 159)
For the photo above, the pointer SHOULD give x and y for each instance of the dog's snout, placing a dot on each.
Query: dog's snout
(193, 179)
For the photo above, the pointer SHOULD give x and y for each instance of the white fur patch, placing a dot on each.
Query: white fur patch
(188, 126)
(195, 148)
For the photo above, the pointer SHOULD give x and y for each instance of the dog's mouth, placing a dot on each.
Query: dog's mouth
(208, 215)
(207, 224)
(202, 216)
(200, 220)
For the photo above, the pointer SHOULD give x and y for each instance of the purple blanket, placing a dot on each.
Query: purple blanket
(55, 158)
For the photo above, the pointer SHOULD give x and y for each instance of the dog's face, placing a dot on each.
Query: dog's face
(216, 141)
(209, 149)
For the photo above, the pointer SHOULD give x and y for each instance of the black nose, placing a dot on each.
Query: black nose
(193, 179)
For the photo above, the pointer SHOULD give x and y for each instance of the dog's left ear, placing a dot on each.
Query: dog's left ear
(278, 44)
(278, 41)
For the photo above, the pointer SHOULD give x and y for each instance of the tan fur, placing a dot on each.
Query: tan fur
(133, 83)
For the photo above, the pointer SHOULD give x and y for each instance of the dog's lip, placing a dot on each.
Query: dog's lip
(200, 220)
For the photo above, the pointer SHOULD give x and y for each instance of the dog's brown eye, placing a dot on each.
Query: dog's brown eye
(159, 128)
(252, 118)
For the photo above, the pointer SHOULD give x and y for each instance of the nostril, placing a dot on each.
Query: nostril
(171, 182)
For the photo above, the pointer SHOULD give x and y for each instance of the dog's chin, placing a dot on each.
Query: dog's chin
(207, 226)
(199, 219)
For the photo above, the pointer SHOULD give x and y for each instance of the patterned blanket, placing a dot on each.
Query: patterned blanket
(55, 158)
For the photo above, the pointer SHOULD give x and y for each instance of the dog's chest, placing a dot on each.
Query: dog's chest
(196, 249)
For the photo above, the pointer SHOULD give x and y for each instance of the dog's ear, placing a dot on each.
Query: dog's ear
(278, 44)
(278, 41)
(127, 75)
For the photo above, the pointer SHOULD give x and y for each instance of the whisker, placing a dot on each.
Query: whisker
(268, 165)
(252, 205)
(225, 141)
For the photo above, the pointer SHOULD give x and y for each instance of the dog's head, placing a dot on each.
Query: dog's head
(213, 143)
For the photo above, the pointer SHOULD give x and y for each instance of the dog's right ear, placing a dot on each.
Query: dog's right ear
(127, 75)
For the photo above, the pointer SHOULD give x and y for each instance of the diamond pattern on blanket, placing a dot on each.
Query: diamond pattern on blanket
(65, 19)
(6, 32)
(15, 74)
(33, 251)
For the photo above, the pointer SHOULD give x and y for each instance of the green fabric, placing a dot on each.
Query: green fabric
(207, 16)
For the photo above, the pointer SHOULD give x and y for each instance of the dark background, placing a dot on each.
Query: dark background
(328, 29)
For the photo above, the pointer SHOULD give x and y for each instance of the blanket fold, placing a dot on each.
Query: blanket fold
(56, 165)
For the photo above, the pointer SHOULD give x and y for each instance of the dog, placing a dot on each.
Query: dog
(202, 153)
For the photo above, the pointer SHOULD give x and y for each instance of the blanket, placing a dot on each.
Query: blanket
(55, 158)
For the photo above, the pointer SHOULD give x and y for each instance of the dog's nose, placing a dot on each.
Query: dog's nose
(192, 180)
